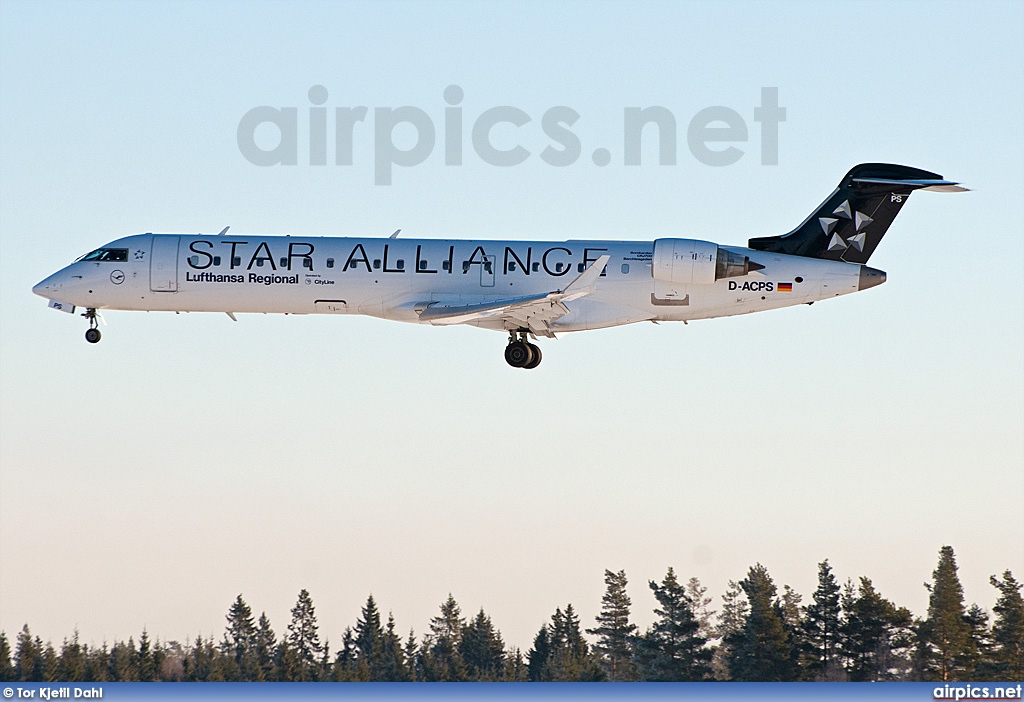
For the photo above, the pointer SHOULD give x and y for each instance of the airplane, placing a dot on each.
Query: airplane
(527, 289)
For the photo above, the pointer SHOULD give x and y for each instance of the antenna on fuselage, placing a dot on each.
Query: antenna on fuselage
(224, 230)
(395, 235)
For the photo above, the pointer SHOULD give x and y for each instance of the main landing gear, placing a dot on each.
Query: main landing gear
(92, 334)
(520, 353)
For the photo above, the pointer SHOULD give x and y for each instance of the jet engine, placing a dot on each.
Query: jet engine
(694, 262)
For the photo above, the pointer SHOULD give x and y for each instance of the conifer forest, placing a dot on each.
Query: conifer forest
(752, 632)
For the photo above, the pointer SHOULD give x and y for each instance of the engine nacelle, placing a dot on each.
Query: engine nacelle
(695, 262)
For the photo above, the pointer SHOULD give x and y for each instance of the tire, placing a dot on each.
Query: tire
(518, 354)
(92, 335)
(535, 361)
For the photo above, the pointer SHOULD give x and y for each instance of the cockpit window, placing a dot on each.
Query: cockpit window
(116, 255)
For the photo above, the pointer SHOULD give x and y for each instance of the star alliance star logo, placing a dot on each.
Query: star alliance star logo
(139, 254)
(860, 220)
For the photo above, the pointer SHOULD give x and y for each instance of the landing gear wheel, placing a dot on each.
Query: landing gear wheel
(518, 354)
(92, 335)
(535, 361)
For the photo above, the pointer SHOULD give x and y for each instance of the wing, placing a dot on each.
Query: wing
(533, 312)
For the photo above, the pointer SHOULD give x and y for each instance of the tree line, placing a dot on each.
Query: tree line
(845, 632)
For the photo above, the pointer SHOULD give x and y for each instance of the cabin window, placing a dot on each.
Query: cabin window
(236, 261)
(423, 265)
(330, 263)
(625, 268)
(307, 263)
(536, 267)
(259, 262)
(465, 266)
(511, 265)
(798, 279)
(193, 261)
(401, 264)
(284, 262)
(581, 268)
(376, 263)
(216, 260)
(559, 266)
(445, 265)
(112, 255)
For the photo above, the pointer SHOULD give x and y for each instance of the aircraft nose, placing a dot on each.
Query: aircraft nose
(46, 287)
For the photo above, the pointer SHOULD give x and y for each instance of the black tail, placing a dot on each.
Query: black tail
(852, 221)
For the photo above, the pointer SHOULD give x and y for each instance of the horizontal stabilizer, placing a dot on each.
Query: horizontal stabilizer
(942, 186)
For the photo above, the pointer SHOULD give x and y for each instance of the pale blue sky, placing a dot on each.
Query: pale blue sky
(149, 479)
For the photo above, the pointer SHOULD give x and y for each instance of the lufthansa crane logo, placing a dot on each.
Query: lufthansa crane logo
(117, 277)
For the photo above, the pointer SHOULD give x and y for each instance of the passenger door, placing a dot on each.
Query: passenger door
(163, 263)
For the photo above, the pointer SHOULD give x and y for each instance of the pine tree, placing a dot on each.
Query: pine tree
(673, 650)
(761, 652)
(515, 667)
(731, 620)
(146, 661)
(391, 664)
(945, 633)
(264, 650)
(124, 661)
(51, 664)
(1007, 630)
(303, 638)
(72, 660)
(7, 673)
(700, 602)
(875, 636)
(286, 662)
(412, 658)
(369, 636)
(444, 662)
(97, 664)
(791, 620)
(482, 650)
(791, 607)
(27, 663)
(216, 669)
(537, 657)
(240, 641)
(345, 661)
(570, 659)
(615, 633)
(820, 628)
(975, 661)
(325, 670)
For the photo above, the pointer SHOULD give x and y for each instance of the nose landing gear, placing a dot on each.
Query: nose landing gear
(92, 334)
(520, 353)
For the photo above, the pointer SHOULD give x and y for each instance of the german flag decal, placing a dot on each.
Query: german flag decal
(785, 287)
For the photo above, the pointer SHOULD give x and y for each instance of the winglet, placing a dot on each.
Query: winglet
(224, 230)
(395, 235)
(585, 281)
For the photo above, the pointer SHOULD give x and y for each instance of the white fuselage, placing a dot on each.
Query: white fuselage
(397, 278)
